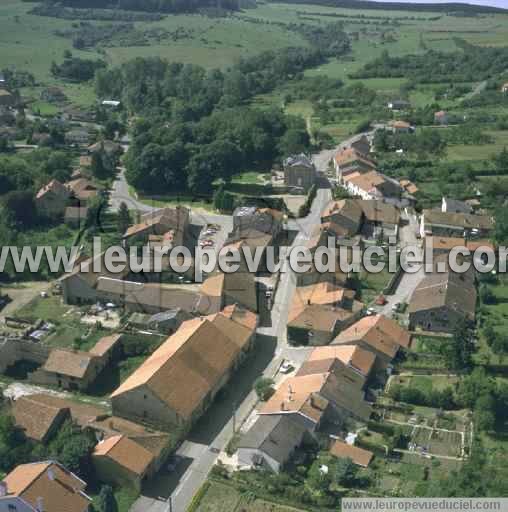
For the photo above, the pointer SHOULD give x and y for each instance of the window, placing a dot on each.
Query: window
(11, 507)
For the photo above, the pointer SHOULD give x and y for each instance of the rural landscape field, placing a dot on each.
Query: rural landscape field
(189, 133)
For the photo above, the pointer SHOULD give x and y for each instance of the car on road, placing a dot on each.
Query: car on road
(286, 367)
(370, 311)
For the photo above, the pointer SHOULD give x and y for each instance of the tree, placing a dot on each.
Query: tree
(501, 160)
(264, 388)
(124, 219)
(458, 351)
(101, 165)
(106, 501)
(72, 447)
(344, 472)
(484, 416)
(487, 295)
(20, 205)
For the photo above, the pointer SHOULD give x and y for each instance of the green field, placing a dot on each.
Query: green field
(482, 152)
(29, 42)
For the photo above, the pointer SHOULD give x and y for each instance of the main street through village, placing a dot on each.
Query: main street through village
(173, 490)
(200, 451)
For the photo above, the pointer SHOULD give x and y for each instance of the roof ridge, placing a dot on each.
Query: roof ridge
(46, 465)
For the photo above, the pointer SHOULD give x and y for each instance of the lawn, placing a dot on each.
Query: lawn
(72, 333)
(50, 309)
(373, 284)
(482, 152)
(218, 497)
(124, 497)
(173, 200)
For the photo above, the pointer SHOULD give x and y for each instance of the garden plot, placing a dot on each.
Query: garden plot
(437, 442)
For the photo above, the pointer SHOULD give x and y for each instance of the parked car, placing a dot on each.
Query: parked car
(286, 367)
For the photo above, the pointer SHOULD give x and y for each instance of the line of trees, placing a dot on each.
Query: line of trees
(469, 64)
(170, 6)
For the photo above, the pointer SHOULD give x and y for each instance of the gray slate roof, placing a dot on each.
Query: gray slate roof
(274, 435)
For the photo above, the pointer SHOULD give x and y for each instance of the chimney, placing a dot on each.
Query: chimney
(40, 504)
(3, 489)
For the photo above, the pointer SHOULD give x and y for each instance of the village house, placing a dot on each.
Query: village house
(350, 161)
(158, 443)
(251, 219)
(167, 221)
(504, 88)
(225, 289)
(81, 414)
(442, 300)
(122, 462)
(270, 442)
(114, 104)
(68, 369)
(43, 486)
(380, 219)
(80, 285)
(374, 185)
(377, 334)
(459, 225)
(400, 127)
(51, 200)
(166, 322)
(320, 390)
(318, 312)
(449, 205)
(346, 215)
(441, 117)
(398, 105)
(148, 298)
(362, 145)
(53, 95)
(38, 421)
(77, 137)
(180, 380)
(299, 171)
(74, 369)
(109, 147)
(82, 189)
(353, 356)
(357, 455)
(408, 186)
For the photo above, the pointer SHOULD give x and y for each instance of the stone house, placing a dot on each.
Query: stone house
(377, 334)
(179, 381)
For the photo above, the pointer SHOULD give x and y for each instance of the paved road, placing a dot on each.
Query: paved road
(120, 193)
(199, 452)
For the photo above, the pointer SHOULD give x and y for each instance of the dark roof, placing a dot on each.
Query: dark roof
(274, 435)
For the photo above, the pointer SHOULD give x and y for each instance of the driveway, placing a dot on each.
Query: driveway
(410, 279)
